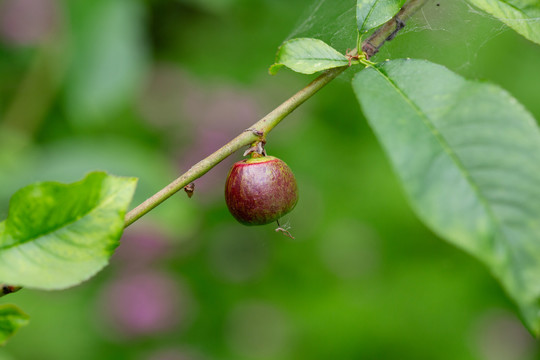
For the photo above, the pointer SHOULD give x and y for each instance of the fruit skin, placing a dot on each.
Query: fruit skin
(260, 190)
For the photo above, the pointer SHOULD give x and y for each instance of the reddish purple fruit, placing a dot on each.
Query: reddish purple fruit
(260, 190)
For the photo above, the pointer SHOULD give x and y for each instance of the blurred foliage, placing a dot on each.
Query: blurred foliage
(146, 89)
(12, 319)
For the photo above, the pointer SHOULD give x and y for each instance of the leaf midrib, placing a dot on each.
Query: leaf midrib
(525, 15)
(448, 150)
(513, 7)
(105, 201)
(344, 61)
(368, 14)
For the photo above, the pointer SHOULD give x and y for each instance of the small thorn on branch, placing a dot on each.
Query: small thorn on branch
(189, 189)
(9, 289)
(255, 132)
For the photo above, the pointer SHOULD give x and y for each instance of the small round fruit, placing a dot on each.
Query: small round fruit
(260, 190)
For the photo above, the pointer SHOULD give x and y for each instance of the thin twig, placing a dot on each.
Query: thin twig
(264, 126)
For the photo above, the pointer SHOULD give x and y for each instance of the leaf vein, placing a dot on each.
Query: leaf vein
(447, 149)
(102, 203)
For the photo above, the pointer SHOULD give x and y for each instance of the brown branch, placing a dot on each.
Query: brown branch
(390, 29)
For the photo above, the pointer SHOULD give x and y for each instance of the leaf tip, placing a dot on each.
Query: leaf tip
(274, 68)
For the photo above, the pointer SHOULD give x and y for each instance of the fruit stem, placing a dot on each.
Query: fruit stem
(255, 155)
(260, 129)
(284, 231)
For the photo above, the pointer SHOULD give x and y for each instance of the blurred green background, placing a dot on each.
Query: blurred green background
(148, 88)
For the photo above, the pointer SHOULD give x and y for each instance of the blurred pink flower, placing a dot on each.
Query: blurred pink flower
(27, 22)
(162, 100)
(497, 334)
(218, 116)
(143, 304)
(199, 118)
(224, 110)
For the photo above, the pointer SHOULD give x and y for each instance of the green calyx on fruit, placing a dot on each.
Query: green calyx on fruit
(260, 190)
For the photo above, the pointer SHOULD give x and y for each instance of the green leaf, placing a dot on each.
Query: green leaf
(468, 156)
(308, 56)
(69, 159)
(521, 15)
(108, 58)
(372, 13)
(58, 235)
(11, 319)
